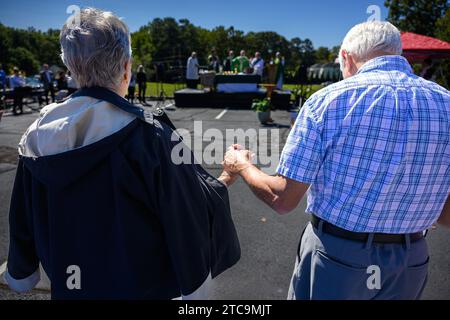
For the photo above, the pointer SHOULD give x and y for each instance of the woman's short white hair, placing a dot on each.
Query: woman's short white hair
(368, 40)
(96, 50)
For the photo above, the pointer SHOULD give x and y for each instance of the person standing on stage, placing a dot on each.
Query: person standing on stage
(141, 79)
(213, 61)
(228, 62)
(241, 63)
(279, 63)
(192, 71)
(257, 64)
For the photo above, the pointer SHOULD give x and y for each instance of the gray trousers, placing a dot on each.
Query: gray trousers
(332, 268)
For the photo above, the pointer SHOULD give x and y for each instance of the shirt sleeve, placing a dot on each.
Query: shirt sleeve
(302, 155)
(23, 263)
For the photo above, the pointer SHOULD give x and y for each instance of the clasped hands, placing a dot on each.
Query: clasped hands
(236, 160)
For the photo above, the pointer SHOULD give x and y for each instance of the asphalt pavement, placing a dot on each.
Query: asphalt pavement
(268, 241)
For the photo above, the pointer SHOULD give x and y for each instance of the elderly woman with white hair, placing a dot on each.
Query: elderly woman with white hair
(373, 153)
(98, 199)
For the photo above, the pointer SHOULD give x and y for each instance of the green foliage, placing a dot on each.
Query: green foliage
(169, 39)
(443, 26)
(27, 49)
(417, 16)
(262, 105)
(322, 55)
(427, 17)
(443, 33)
(164, 39)
(303, 91)
(25, 59)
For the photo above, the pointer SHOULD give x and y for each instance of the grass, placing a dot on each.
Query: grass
(153, 88)
(314, 88)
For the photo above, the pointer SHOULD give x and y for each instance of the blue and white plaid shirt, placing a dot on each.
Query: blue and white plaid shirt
(375, 149)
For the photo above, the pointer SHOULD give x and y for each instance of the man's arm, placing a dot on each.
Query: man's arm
(278, 192)
(444, 219)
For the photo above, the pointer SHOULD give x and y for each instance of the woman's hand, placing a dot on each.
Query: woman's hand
(227, 178)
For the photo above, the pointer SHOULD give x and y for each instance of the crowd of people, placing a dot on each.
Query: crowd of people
(273, 71)
(57, 87)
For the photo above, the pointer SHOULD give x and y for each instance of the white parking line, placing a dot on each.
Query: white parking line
(220, 115)
(2, 273)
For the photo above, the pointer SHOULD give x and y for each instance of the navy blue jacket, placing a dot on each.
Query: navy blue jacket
(137, 225)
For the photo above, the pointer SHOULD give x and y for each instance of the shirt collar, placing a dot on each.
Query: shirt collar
(386, 63)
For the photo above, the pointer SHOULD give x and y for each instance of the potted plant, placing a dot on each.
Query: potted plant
(301, 94)
(262, 108)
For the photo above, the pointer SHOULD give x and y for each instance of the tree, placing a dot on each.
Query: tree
(24, 60)
(419, 16)
(5, 45)
(168, 40)
(189, 37)
(334, 52)
(28, 49)
(268, 43)
(443, 27)
(218, 38)
(443, 33)
(322, 55)
(427, 17)
(165, 36)
(142, 47)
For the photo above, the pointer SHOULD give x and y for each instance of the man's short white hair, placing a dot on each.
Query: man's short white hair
(96, 50)
(368, 40)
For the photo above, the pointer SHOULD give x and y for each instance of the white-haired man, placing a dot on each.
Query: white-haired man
(374, 152)
(98, 198)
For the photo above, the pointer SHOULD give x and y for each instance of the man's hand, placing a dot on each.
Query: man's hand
(280, 193)
(237, 159)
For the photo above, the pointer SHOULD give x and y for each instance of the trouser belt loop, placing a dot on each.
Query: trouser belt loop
(407, 241)
(320, 227)
(369, 241)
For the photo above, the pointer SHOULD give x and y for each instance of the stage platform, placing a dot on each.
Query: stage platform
(192, 98)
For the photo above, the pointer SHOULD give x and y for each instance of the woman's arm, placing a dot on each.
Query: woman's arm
(227, 178)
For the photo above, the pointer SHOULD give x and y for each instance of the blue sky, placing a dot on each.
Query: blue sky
(325, 22)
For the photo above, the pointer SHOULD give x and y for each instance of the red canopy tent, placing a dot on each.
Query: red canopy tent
(417, 47)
